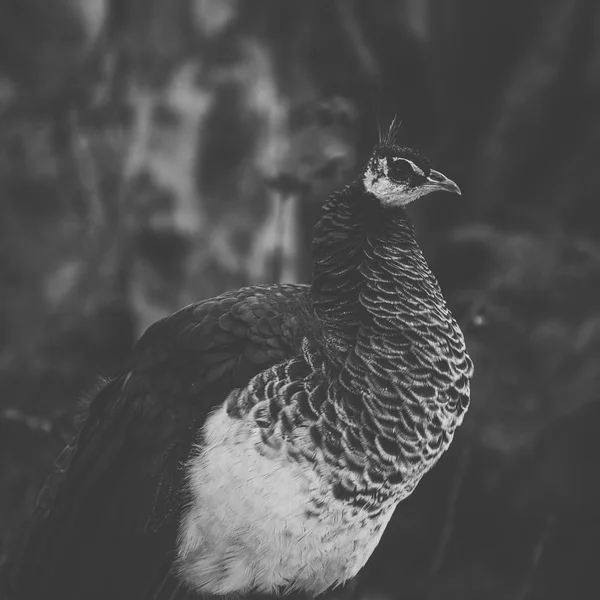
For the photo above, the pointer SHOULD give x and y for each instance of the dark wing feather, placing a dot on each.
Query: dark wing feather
(106, 524)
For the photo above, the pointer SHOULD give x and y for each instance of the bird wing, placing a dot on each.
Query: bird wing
(106, 525)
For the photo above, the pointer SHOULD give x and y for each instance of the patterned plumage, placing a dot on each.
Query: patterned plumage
(260, 440)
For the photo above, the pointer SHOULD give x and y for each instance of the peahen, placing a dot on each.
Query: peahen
(260, 440)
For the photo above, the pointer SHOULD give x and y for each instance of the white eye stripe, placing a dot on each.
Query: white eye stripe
(414, 167)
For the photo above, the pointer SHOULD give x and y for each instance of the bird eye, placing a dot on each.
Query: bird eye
(399, 169)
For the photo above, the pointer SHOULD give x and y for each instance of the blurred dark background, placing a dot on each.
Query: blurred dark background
(155, 152)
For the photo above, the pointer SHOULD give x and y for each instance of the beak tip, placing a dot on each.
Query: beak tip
(440, 182)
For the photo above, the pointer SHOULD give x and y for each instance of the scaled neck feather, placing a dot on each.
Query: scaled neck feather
(369, 272)
(399, 372)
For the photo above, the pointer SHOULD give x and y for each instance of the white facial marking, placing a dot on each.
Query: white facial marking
(415, 168)
(388, 191)
(381, 186)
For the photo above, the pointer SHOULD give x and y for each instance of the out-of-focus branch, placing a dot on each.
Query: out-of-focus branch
(366, 58)
(537, 555)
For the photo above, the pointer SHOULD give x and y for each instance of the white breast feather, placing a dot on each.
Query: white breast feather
(246, 527)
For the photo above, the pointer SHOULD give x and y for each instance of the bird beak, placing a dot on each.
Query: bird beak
(438, 181)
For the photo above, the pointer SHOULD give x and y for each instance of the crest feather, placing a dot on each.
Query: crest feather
(390, 138)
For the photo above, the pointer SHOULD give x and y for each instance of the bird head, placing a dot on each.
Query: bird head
(397, 175)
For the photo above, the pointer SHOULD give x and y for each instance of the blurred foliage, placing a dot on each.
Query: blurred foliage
(154, 152)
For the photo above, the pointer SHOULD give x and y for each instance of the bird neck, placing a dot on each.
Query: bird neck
(398, 369)
(337, 256)
(370, 277)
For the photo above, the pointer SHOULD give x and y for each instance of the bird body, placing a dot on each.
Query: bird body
(260, 440)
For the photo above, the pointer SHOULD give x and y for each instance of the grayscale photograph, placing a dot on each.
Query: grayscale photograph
(299, 299)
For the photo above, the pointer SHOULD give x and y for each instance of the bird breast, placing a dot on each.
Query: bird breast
(261, 521)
